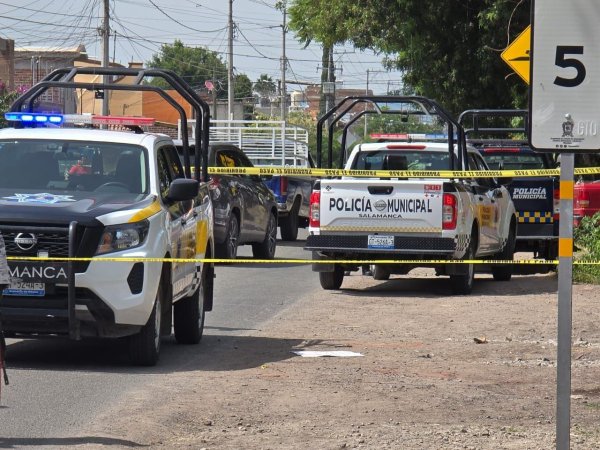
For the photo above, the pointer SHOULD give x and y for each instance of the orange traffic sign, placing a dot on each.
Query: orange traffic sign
(516, 55)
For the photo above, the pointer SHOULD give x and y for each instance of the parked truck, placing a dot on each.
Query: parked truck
(499, 135)
(442, 220)
(269, 143)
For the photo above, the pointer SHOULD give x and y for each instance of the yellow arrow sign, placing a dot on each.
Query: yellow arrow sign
(516, 55)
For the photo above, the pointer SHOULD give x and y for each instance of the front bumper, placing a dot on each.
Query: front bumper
(99, 298)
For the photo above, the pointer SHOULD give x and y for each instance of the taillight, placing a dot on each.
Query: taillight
(315, 209)
(283, 185)
(556, 214)
(449, 214)
(582, 198)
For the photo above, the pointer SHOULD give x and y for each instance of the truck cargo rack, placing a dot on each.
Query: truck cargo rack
(416, 105)
(64, 78)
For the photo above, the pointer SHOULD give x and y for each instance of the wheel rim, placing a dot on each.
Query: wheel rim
(233, 237)
(272, 236)
(157, 316)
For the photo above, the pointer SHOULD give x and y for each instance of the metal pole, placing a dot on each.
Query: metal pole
(283, 67)
(565, 310)
(105, 54)
(366, 93)
(230, 64)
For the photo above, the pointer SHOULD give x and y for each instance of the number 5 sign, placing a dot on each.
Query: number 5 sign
(564, 94)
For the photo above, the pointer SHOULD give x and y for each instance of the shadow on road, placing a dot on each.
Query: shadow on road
(215, 353)
(7, 442)
(433, 288)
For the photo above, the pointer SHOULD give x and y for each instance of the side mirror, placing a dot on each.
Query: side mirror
(183, 189)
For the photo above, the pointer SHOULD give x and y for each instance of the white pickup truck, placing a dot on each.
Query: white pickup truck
(363, 219)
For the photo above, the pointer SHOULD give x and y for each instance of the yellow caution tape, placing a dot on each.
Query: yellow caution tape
(289, 261)
(308, 172)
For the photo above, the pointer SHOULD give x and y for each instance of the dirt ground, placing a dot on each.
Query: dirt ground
(423, 381)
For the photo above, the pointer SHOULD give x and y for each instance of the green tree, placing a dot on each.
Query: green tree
(6, 100)
(447, 50)
(242, 87)
(265, 86)
(194, 64)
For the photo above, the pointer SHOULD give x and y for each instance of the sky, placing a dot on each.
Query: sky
(142, 26)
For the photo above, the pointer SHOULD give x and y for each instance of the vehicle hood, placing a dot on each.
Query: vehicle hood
(61, 207)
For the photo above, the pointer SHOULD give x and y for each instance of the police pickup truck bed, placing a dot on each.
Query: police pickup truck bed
(367, 218)
(88, 194)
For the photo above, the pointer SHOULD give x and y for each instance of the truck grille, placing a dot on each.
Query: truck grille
(55, 242)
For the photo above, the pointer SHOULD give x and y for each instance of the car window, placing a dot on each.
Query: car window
(514, 161)
(73, 165)
(401, 160)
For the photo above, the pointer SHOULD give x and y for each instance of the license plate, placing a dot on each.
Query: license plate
(24, 289)
(384, 242)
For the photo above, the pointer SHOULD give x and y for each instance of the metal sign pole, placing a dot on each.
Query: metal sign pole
(565, 310)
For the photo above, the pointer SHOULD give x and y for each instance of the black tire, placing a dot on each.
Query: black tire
(228, 249)
(332, 280)
(144, 347)
(463, 284)
(504, 272)
(289, 224)
(188, 314)
(380, 273)
(266, 248)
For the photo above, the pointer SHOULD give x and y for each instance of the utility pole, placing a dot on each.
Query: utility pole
(366, 93)
(283, 101)
(230, 86)
(105, 54)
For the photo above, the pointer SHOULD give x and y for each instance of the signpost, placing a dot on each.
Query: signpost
(563, 106)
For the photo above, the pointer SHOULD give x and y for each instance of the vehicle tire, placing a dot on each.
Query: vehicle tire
(332, 280)
(188, 314)
(380, 273)
(504, 272)
(228, 249)
(144, 347)
(266, 248)
(289, 224)
(463, 284)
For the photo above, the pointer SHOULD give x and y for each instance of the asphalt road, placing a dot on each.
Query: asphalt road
(57, 387)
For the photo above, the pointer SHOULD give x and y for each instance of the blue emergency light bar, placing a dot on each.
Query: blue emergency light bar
(55, 119)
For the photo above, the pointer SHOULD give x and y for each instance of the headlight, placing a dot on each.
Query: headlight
(122, 237)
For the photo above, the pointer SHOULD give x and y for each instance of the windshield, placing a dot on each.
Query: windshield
(401, 160)
(73, 166)
(514, 161)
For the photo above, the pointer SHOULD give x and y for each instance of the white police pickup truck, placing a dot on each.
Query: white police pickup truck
(411, 219)
(89, 194)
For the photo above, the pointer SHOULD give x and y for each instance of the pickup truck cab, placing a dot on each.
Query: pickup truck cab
(411, 219)
(105, 230)
(536, 199)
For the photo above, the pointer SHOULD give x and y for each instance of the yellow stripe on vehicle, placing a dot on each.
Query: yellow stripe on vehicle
(535, 217)
(146, 212)
(201, 237)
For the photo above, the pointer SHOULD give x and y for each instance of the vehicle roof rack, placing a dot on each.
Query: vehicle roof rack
(420, 106)
(478, 116)
(65, 78)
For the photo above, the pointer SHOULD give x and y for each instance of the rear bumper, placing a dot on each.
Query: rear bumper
(537, 231)
(403, 245)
